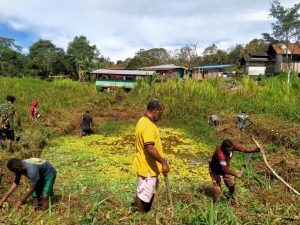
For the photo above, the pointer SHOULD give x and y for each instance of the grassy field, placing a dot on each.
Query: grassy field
(95, 183)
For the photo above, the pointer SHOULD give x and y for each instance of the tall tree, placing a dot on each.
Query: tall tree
(256, 45)
(235, 53)
(83, 56)
(212, 56)
(210, 50)
(9, 43)
(46, 59)
(286, 26)
(12, 61)
(151, 57)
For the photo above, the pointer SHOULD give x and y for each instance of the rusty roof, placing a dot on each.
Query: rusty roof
(280, 49)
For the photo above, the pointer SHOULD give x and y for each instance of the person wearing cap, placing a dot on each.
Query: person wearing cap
(241, 121)
(149, 158)
(219, 167)
(41, 175)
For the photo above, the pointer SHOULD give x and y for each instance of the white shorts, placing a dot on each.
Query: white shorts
(146, 187)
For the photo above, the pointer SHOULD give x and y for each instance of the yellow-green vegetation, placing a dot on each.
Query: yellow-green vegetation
(95, 183)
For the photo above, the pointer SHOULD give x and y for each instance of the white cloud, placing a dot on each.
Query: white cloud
(17, 25)
(120, 28)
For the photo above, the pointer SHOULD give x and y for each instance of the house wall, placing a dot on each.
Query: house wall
(200, 74)
(279, 60)
(255, 70)
(295, 66)
(197, 74)
(270, 68)
(168, 75)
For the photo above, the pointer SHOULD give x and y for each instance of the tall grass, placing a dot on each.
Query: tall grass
(188, 103)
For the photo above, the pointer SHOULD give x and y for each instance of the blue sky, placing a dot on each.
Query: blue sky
(120, 28)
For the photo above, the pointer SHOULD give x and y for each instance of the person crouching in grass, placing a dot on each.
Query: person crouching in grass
(41, 175)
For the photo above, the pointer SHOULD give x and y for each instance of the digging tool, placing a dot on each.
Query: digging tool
(168, 187)
(270, 168)
(246, 163)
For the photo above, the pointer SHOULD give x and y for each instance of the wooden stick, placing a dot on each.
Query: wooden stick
(69, 206)
(270, 168)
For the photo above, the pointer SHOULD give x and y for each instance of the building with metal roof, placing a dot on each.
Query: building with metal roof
(168, 71)
(133, 73)
(208, 71)
(106, 78)
(285, 56)
(257, 63)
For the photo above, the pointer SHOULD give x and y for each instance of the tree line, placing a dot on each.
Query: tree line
(44, 59)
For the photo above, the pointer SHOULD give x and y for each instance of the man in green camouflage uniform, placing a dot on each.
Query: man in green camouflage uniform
(7, 113)
(241, 121)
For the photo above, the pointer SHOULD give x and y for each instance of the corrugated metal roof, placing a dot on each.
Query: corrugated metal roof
(212, 67)
(123, 72)
(281, 49)
(164, 67)
(256, 57)
(258, 54)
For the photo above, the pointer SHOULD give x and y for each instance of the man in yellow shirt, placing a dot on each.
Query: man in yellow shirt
(149, 159)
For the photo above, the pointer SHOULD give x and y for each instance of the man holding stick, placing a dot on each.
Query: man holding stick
(219, 168)
(149, 159)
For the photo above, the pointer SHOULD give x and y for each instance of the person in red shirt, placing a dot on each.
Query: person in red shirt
(219, 167)
(33, 109)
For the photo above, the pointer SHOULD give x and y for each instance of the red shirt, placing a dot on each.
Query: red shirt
(220, 162)
(33, 109)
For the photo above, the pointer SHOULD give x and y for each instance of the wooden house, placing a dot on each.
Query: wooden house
(168, 72)
(202, 72)
(257, 63)
(282, 54)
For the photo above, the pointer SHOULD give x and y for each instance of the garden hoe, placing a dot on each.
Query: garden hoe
(169, 192)
(246, 163)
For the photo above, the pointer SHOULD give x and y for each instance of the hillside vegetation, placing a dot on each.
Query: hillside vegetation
(95, 183)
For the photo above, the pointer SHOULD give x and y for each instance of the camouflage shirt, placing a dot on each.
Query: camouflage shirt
(7, 112)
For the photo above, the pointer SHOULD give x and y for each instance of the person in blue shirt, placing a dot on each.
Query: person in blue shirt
(41, 175)
(86, 126)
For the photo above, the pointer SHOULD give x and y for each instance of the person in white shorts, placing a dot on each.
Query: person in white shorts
(149, 158)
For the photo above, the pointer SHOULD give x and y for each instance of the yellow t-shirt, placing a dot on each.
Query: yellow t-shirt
(146, 133)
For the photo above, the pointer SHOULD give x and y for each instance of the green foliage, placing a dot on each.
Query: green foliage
(12, 62)
(287, 23)
(113, 127)
(61, 95)
(151, 57)
(235, 54)
(255, 45)
(214, 56)
(46, 59)
(83, 56)
(201, 96)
